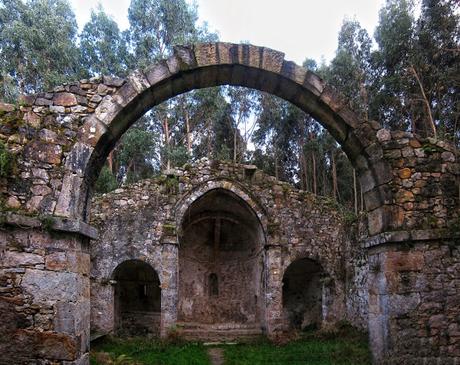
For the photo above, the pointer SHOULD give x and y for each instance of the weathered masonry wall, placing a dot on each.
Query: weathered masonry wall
(57, 142)
(141, 221)
(44, 297)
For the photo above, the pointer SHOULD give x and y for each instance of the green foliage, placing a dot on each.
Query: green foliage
(148, 351)
(47, 222)
(136, 150)
(157, 25)
(350, 70)
(171, 183)
(29, 60)
(342, 347)
(349, 217)
(106, 181)
(7, 161)
(103, 47)
(338, 345)
(429, 148)
(178, 155)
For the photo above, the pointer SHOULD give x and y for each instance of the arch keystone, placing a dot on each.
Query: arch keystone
(206, 54)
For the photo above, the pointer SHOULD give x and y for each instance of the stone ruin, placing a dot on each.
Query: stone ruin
(235, 252)
(188, 239)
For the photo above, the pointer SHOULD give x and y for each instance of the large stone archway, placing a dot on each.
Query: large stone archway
(60, 140)
(216, 64)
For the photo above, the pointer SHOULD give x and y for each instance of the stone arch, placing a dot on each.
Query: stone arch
(221, 241)
(213, 64)
(303, 294)
(237, 189)
(137, 298)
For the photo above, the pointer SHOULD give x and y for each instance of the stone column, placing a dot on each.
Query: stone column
(169, 285)
(44, 294)
(273, 289)
(414, 302)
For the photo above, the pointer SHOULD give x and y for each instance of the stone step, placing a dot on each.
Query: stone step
(220, 332)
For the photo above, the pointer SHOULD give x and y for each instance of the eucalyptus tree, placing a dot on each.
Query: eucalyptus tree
(103, 47)
(38, 44)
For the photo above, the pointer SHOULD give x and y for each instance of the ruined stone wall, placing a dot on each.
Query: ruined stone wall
(44, 296)
(40, 133)
(414, 296)
(57, 142)
(136, 222)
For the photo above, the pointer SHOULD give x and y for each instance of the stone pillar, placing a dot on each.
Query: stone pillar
(414, 302)
(273, 289)
(44, 295)
(169, 285)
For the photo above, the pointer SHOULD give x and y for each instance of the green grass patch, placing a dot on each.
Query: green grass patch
(341, 347)
(310, 350)
(113, 351)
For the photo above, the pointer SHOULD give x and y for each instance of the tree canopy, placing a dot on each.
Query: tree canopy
(406, 76)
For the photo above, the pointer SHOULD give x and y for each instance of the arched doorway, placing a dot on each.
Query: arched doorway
(302, 295)
(137, 299)
(220, 264)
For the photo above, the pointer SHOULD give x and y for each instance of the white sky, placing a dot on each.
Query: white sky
(299, 28)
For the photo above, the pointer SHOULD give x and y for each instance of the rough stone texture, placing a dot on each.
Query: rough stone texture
(44, 296)
(295, 223)
(414, 296)
(59, 140)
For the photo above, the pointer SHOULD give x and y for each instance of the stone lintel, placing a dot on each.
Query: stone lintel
(409, 236)
(169, 240)
(52, 223)
(269, 246)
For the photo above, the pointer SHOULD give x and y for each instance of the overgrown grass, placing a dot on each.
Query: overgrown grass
(312, 351)
(147, 352)
(342, 346)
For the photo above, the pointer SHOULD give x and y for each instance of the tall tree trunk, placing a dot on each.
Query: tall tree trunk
(188, 135)
(334, 176)
(234, 144)
(313, 159)
(431, 130)
(110, 161)
(166, 133)
(355, 192)
(276, 165)
(303, 169)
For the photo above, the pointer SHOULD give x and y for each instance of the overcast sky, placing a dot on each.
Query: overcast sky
(299, 28)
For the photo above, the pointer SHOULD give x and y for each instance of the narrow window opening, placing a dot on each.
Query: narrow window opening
(213, 285)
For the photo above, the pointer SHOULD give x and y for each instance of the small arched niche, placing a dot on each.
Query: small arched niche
(220, 262)
(137, 299)
(302, 295)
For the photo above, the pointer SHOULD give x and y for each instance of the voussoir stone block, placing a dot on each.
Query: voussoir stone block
(186, 56)
(77, 159)
(157, 73)
(293, 72)
(272, 60)
(107, 109)
(125, 94)
(91, 131)
(139, 81)
(69, 195)
(250, 55)
(206, 54)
